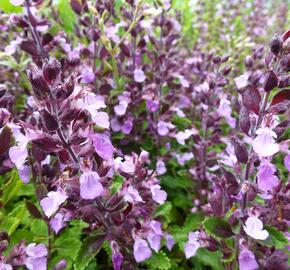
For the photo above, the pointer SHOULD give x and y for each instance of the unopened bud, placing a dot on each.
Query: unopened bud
(51, 70)
(271, 81)
(276, 44)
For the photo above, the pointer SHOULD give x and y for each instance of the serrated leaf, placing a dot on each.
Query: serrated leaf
(164, 211)
(159, 261)
(276, 238)
(217, 227)
(89, 249)
(212, 259)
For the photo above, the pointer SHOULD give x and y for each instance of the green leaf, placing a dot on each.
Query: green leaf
(66, 14)
(276, 238)
(217, 227)
(7, 7)
(89, 250)
(212, 259)
(164, 211)
(159, 261)
(181, 122)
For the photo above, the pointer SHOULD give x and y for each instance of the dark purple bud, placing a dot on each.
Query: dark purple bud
(117, 256)
(226, 70)
(39, 84)
(249, 61)
(251, 98)
(285, 63)
(245, 123)
(271, 81)
(5, 139)
(49, 120)
(276, 44)
(60, 265)
(33, 210)
(76, 6)
(225, 58)
(217, 60)
(29, 47)
(51, 70)
(241, 152)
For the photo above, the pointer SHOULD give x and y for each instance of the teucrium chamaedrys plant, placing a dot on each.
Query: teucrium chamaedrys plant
(87, 84)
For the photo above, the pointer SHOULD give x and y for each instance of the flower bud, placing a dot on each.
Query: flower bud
(38, 83)
(51, 70)
(217, 60)
(271, 81)
(276, 44)
(49, 120)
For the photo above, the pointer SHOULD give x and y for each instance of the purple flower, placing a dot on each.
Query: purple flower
(267, 181)
(264, 144)
(169, 241)
(36, 257)
(24, 173)
(103, 146)
(254, 228)
(117, 256)
(88, 75)
(5, 266)
(121, 108)
(163, 128)
(139, 76)
(101, 119)
(90, 186)
(160, 167)
(192, 245)
(127, 126)
(141, 250)
(132, 195)
(52, 201)
(58, 222)
(158, 195)
(182, 158)
(247, 260)
(287, 162)
(155, 235)
(152, 105)
(181, 136)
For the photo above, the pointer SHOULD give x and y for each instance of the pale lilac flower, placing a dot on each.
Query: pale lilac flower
(152, 105)
(139, 76)
(254, 228)
(184, 83)
(52, 201)
(169, 241)
(264, 144)
(11, 48)
(36, 257)
(267, 181)
(17, 2)
(103, 146)
(90, 186)
(181, 136)
(141, 250)
(192, 244)
(225, 111)
(101, 119)
(163, 128)
(155, 235)
(160, 167)
(115, 125)
(88, 76)
(5, 266)
(132, 195)
(158, 195)
(242, 81)
(287, 162)
(126, 166)
(24, 173)
(182, 158)
(127, 126)
(121, 108)
(57, 223)
(247, 260)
